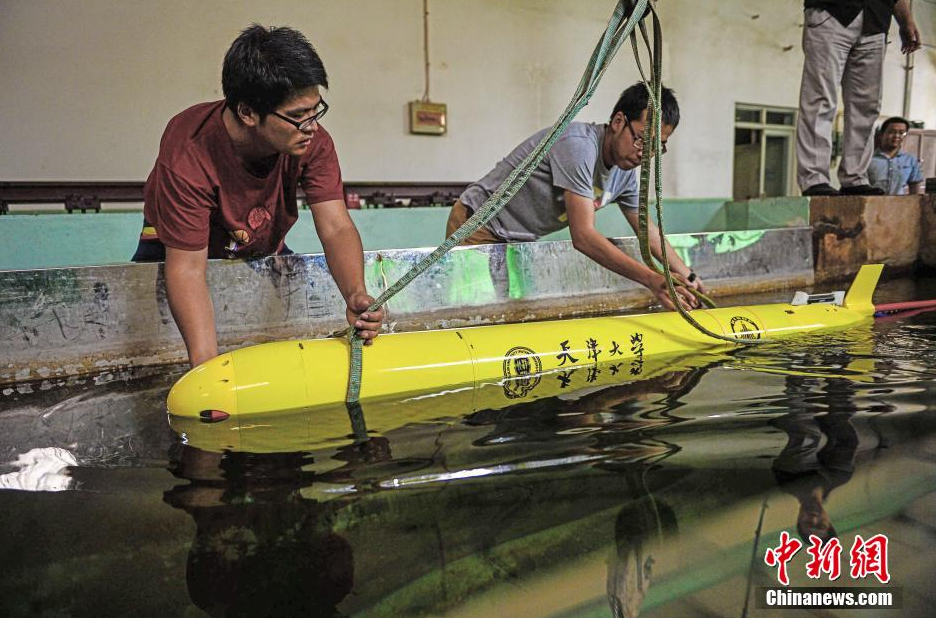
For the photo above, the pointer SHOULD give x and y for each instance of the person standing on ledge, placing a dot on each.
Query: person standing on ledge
(589, 167)
(224, 183)
(892, 170)
(843, 41)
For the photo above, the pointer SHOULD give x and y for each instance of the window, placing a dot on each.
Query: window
(763, 151)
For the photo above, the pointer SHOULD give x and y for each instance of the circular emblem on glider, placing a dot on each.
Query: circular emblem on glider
(521, 372)
(745, 328)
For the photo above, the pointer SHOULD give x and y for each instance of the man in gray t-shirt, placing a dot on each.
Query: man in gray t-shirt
(589, 167)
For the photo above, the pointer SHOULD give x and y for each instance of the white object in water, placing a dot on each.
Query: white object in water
(41, 469)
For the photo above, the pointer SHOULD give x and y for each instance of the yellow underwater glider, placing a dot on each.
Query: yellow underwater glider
(292, 376)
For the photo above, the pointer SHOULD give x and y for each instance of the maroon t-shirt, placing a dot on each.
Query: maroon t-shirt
(199, 195)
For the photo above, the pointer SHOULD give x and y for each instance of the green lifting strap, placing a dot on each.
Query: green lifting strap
(620, 26)
(652, 135)
(626, 16)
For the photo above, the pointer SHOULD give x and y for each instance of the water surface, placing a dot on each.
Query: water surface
(611, 498)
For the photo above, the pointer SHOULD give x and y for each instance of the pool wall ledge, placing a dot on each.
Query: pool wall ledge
(897, 231)
(59, 322)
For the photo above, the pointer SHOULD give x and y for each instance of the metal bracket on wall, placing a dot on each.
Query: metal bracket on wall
(82, 203)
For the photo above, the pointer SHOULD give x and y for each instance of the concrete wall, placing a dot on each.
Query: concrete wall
(928, 231)
(88, 86)
(63, 321)
(896, 231)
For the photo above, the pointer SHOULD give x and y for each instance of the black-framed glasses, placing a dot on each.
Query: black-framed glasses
(638, 139)
(305, 125)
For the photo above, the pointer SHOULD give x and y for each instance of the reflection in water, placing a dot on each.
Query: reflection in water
(110, 420)
(639, 530)
(809, 468)
(605, 450)
(608, 411)
(40, 469)
(629, 497)
(260, 548)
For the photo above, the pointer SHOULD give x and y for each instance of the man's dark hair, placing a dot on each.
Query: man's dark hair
(635, 99)
(266, 66)
(894, 120)
(824, 534)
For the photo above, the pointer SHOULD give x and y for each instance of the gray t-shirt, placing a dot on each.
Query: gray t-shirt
(573, 163)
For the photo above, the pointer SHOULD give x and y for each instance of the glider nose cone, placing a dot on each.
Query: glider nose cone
(207, 392)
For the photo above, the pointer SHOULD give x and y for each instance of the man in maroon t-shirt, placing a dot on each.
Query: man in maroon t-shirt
(224, 183)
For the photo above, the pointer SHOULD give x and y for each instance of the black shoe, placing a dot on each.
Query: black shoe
(820, 189)
(862, 190)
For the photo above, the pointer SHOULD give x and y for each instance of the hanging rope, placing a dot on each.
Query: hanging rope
(620, 26)
(626, 16)
(425, 97)
(653, 136)
(750, 576)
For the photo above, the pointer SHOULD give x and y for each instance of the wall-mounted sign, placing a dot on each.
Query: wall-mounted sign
(427, 118)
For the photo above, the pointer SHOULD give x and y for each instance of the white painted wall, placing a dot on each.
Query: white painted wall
(87, 87)
(749, 51)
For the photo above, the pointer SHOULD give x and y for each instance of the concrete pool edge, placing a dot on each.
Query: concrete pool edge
(73, 321)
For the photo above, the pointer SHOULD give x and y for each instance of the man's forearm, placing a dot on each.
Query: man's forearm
(588, 240)
(344, 254)
(190, 303)
(604, 252)
(676, 264)
(902, 13)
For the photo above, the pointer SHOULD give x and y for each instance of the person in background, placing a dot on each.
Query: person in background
(844, 41)
(892, 170)
(589, 167)
(224, 184)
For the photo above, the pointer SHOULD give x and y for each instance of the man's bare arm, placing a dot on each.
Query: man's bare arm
(677, 266)
(909, 34)
(588, 240)
(344, 254)
(190, 303)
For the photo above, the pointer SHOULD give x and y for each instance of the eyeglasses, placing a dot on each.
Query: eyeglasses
(305, 125)
(638, 139)
(900, 134)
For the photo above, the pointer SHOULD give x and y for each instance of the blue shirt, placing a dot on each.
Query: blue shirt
(892, 175)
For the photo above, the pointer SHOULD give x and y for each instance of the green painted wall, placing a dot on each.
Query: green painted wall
(49, 240)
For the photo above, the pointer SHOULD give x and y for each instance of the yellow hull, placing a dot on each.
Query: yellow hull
(328, 426)
(513, 361)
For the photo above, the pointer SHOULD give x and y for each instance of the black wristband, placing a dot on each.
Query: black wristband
(692, 276)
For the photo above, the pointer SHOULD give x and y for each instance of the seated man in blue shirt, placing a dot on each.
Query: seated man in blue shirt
(893, 171)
